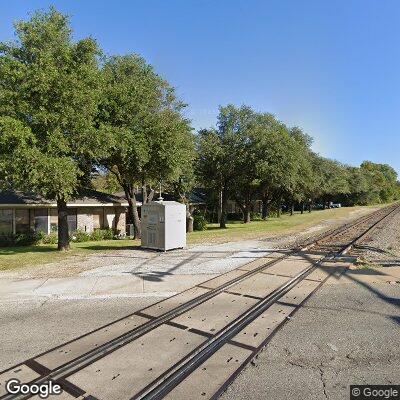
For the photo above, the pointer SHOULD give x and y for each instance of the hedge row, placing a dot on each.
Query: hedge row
(35, 238)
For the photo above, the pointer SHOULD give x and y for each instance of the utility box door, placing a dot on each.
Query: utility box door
(175, 226)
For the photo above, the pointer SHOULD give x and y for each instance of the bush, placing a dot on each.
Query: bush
(255, 216)
(80, 236)
(20, 239)
(108, 234)
(52, 238)
(102, 234)
(35, 238)
(199, 222)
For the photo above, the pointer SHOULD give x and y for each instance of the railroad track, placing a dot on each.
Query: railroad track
(258, 287)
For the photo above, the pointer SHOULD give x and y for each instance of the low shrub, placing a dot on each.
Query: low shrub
(52, 238)
(20, 239)
(255, 216)
(35, 238)
(108, 234)
(80, 236)
(199, 222)
(102, 234)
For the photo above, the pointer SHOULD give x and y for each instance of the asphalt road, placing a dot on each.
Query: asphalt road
(345, 334)
(33, 325)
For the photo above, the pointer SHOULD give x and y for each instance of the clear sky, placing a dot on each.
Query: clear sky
(330, 67)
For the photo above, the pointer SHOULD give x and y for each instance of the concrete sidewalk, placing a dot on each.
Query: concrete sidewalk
(158, 282)
(137, 273)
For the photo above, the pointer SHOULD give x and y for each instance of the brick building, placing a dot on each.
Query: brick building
(25, 212)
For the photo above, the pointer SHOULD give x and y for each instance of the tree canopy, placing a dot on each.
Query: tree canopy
(252, 156)
(146, 137)
(49, 93)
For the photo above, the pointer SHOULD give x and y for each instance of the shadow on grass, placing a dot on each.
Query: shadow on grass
(27, 249)
(108, 247)
(74, 246)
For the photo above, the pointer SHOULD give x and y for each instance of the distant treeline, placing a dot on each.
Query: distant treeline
(69, 113)
(251, 155)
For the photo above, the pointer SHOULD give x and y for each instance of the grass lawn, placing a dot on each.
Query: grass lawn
(17, 257)
(284, 225)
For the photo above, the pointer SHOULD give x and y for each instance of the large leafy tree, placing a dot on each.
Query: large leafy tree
(381, 180)
(331, 179)
(239, 126)
(49, 92)
(222, 155)
(148, 139)
(301, 185)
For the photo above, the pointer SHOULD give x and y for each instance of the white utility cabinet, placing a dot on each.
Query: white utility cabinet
(163, 225)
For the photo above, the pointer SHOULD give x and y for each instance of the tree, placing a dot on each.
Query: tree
(148, 139)
(275, 167)
(222, 154)
(239, 128)
(382, 182)
(49, 91)
(302, 181)
(181, 188)
(105, 181)
(331, 179)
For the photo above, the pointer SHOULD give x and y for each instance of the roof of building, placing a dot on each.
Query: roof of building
(84, 197)
(196, 196)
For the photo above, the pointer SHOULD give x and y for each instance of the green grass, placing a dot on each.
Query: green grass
(286, 224)
(18, 257)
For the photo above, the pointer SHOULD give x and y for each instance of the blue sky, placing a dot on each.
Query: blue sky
(330, 67)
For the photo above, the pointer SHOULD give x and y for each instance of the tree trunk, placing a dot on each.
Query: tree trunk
(222, 220)
(144, 193)
(133, 212)
(150, 196)
(136, 219)
(189, 218)
(309, 206)
(63, 234)
(264, 213)
(279, 209)
(246, 215)
(292, 209)
(302, 207)
(219, 211)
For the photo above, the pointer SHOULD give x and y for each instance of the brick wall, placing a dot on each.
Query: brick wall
(114, 218)
(120, 213)
(85, 219)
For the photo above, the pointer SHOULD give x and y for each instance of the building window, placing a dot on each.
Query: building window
(72, 220)
(22, 221)
(53, 220)
(6, 222)
(41, 220)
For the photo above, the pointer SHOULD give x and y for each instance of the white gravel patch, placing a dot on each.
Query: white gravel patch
(197, 260)
(383, 246)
